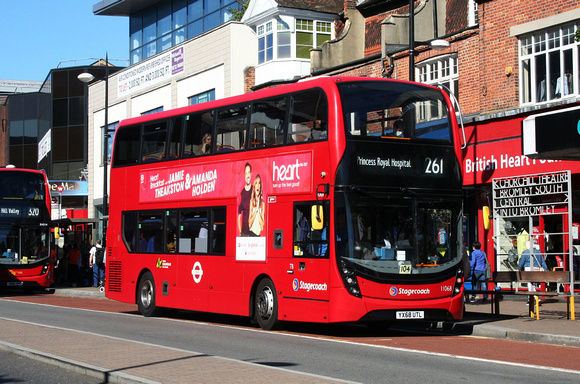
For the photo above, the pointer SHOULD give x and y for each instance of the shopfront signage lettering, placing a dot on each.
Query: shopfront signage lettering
(531, 195)
(505, 161)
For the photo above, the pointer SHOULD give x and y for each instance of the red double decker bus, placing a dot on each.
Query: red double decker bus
(329, 200)
(25, 229)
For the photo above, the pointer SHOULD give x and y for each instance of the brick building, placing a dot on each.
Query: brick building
(514, 66)
(507, 61)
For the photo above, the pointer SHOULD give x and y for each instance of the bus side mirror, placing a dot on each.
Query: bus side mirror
(486, 217)
(317, 217)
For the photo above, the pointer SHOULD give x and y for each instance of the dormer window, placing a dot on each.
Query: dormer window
(291, 38)
(265, 42)
(310, 34)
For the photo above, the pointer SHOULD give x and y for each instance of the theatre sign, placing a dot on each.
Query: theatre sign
(534, 211)
(532, 195)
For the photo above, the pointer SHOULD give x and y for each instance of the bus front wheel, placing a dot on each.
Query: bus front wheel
(146, 295)
(266, 309)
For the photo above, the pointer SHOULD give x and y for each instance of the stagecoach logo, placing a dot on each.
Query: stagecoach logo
(296, 285)
(393, 291)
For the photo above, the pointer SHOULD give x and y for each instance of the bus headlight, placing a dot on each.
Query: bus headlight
(348, 274)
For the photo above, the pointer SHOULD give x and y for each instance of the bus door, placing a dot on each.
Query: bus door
(306, 289)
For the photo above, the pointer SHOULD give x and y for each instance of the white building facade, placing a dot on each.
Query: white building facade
(209, 66)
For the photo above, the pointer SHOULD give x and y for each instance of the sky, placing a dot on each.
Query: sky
(40, 34)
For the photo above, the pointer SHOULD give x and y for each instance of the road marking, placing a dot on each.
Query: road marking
(282, 333)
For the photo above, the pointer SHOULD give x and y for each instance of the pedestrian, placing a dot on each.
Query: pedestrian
(85, 272)
(532, 260)
(478, 265)
(97, 263)
(73, 264)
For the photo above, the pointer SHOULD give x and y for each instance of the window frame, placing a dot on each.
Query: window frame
(171, 223)
(108, 133)
(311, 247)
(283, 38)
(305, 120)
(443, 69)
(168, 24)
(550, 62)
(202, 97)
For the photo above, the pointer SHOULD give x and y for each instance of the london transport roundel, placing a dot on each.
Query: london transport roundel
(393, 291)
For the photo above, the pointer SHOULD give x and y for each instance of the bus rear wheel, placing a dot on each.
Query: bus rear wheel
(146, 295)
(266, 308)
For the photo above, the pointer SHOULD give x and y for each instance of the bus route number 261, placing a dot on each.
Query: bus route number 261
(434, 166)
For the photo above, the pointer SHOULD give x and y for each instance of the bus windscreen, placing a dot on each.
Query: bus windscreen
(394, 110)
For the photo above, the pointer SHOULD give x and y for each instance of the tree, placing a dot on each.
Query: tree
(238, 13)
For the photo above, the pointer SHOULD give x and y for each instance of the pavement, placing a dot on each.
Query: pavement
(135, 362)
(553, 324)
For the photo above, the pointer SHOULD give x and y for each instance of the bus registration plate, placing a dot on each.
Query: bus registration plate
(410, 314)
(14, 284)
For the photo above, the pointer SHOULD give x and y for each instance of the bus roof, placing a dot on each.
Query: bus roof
(307, 83)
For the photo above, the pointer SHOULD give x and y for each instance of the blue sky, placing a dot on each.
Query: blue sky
(39, 34)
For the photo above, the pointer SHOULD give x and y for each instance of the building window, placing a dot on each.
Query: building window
(277, 40)
(160, 27)
(202, 97)
(473, 16)
(154, 110)
(265, 43)
(284, 43)
(304, 38)
(323, 32)
(441, 70)
(547, 64)
(310, 34)
(111, 129)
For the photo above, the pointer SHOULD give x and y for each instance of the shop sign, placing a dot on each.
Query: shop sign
(44, 146)
(69, 188)
(150, 72)
(531, 195)
(519, 203)
(498, 159)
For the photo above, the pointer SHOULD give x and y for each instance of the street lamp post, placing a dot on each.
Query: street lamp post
(411, 40)
(437, 44)
(87, 78)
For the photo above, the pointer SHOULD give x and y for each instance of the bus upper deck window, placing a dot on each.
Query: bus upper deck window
(308, 116)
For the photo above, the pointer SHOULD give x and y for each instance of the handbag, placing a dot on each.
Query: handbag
(538, 268)
(487, 271)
